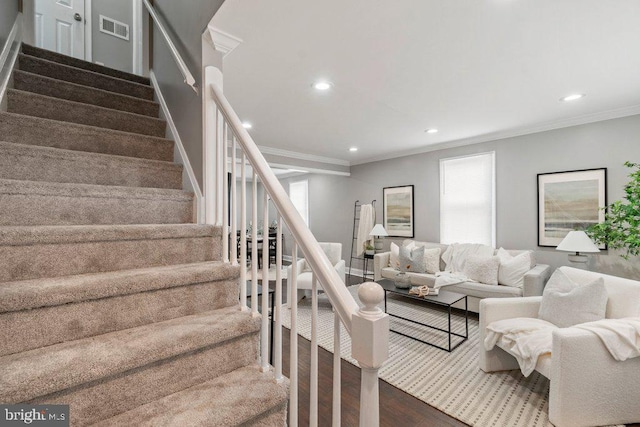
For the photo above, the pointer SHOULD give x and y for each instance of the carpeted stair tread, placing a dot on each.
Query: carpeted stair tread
(29, 252)
(43, 85)
(79, 63)
(49, 311)
(25, 376)
(34, 104)
(233, 399)
(47, 203)
(60, 71)
(47, 292)
(65, 234)
(30, 130)
(37, 163)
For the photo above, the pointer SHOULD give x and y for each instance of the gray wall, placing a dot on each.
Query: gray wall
(8, 13)
(112, 51)
(518, 160)
(186, 21)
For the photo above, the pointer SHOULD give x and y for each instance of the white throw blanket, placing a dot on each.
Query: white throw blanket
(620, 336)
(524, 337)
(445, 278)
(365, 225)
(457, 253)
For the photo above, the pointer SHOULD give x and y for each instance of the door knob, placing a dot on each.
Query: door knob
(77, 17)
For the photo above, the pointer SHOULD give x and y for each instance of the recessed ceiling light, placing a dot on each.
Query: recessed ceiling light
(573, 97)
(297, 170)
(353, 149)
(247, 125)
(431, 131)
(322, 85)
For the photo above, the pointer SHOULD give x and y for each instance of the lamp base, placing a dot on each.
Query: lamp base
(378, 243)
(578, 258)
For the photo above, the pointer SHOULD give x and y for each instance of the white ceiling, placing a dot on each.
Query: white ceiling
(474, 69)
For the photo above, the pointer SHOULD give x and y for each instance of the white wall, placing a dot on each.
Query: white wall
(518, 161)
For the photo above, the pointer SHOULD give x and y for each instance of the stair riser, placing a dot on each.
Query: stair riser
(99, 400)
(35, 131)
(32, 104)
(43, 164)
(53, 260)
(87, 95)
(51, 209)
(83, 77)
(51, 325)
(78, 63)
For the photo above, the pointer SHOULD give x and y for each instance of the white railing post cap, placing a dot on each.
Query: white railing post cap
(370, 328)
(371, 294)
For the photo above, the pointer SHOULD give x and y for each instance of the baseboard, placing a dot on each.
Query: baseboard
(180, 154)
(8, 58)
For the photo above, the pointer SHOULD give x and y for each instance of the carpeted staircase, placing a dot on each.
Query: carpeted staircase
(111, 299)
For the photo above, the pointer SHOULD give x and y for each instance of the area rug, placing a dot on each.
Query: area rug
(450, 382)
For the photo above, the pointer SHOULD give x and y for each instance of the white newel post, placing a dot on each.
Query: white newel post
(213, 150)
(370, 347)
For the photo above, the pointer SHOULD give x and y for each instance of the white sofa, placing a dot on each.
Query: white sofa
(305, 276)
(588, 386)
(534, 279)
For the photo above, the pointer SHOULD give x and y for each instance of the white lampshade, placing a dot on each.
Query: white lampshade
(577, 241)
(378, 231)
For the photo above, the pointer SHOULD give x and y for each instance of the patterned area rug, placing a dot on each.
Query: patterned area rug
(451, 382)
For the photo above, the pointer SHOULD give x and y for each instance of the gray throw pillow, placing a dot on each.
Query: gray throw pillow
(412, 259)
(566, 303)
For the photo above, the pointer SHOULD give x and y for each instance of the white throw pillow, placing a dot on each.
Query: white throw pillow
(513, 268)
(482, 269)
(566, 303)
(394, 257)
(432, 260)
(412, 259)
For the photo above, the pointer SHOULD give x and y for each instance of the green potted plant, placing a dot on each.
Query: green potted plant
(369, 249)
(621, 227)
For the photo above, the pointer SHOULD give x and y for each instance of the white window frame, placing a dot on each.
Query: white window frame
(443, 238)
(305, 184)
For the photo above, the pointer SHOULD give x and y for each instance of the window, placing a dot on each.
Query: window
(467, 199)
(299, 194)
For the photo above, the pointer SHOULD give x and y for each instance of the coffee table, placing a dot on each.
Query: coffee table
(443, 299)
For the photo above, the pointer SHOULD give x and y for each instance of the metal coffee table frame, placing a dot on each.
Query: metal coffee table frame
(444, 299)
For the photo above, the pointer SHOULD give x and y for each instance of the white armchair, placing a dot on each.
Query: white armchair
(587, 385)
(305, 276)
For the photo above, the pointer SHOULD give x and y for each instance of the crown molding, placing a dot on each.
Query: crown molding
(512, 133)
(222, 41)
(303, 156)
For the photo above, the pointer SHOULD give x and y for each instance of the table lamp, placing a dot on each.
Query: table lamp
(577, 241)
(378, 231)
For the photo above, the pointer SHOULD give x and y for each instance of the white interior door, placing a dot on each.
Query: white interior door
(59, 26)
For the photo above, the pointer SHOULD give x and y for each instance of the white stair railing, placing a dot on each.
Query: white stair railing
(368, 326)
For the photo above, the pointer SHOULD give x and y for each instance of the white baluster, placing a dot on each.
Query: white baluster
(243, 235)
(225, 197)
(292, 282)
(234, 208)
(277, 341)
(254, 245)
(264, 344)
(370, 347)
(337, 385)
(313, 384)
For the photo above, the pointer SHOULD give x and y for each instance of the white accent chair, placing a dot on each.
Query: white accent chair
(588, 386)
(305, 276)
